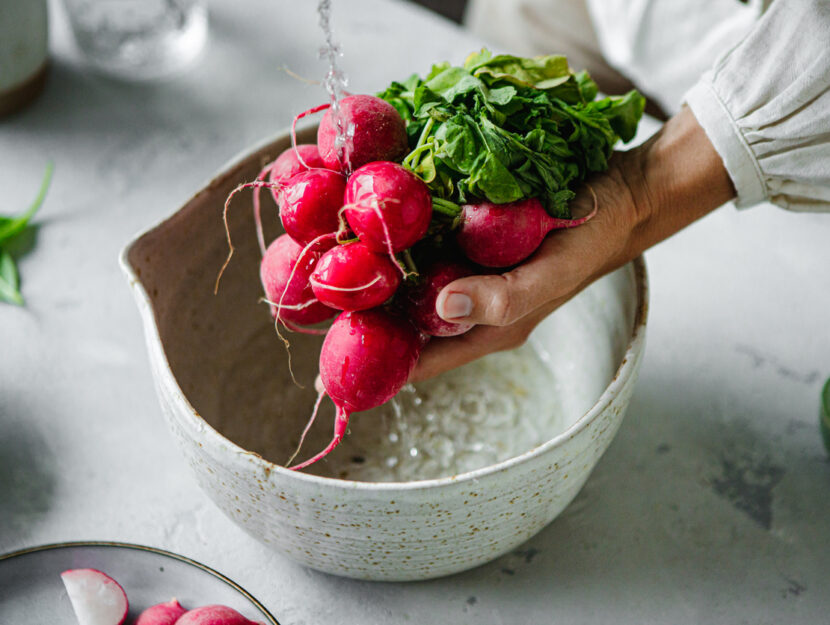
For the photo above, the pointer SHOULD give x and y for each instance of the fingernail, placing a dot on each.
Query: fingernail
(456, 306)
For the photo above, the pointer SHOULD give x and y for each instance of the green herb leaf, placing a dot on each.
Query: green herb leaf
(10, 227)
(9, 280)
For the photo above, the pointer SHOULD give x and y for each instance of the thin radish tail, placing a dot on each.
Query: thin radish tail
(241, 187)
(341, 422)
(302, 329)
(287, 324)
(308, 425)
(572, 223)
(311, 111)
(260, 236)
(296, 76)
(387, 237)
(345, 289)
(300, 257)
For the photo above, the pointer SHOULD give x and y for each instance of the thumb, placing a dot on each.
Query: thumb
(496, 300)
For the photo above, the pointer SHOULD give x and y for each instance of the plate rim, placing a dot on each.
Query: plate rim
(156, 550)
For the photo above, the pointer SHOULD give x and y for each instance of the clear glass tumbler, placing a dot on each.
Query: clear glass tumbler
(139, 39)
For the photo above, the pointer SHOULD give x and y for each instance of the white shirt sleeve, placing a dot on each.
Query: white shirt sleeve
(765, 105)
(663, 46)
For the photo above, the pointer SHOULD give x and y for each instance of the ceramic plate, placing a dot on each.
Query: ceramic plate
(31, 590)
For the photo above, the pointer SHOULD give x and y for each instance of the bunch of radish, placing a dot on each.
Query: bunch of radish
(355, 220)
(98, 599)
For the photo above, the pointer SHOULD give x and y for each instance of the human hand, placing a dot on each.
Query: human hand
(647, 194)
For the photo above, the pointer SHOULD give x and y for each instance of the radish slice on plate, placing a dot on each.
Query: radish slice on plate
(96, 598)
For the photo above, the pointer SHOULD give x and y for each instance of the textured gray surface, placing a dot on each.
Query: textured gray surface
(711, 505)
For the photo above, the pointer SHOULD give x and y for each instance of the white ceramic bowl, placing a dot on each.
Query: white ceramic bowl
(221, 377)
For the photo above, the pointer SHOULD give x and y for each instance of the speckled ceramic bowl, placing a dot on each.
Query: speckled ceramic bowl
(225, 391)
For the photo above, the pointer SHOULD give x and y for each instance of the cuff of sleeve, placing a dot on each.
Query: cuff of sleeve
(729, 143)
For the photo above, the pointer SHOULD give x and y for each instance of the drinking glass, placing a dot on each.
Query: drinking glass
(139, 39)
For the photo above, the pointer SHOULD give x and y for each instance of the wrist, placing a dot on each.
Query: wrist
(675, 178)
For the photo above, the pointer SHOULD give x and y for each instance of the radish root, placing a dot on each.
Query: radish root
(308, 425)
(280, 305)
(311, 111)
(344, 289)
(241, 187)
(341, 422)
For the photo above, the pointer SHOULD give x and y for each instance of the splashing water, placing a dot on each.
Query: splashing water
(335, 83)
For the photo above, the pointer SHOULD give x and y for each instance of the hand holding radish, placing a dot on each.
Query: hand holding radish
(648, 194)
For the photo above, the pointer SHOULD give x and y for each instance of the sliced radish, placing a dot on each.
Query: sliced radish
(161, 614)
(96, 598)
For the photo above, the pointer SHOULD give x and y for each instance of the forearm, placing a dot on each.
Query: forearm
(653, 191)
(675, 178)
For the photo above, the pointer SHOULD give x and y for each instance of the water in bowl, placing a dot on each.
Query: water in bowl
(469, 418)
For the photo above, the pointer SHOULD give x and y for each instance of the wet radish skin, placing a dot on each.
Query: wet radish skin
(351, 266)
(420, 299)
(309, 204)
(378, 133)
(503, 235)
(367, 357)
(401, 198)
(287, 164)
(275, 270)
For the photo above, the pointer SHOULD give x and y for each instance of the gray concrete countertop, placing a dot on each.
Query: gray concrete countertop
(712, 505)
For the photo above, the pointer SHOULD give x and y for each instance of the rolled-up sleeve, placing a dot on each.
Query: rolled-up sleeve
(765, 105)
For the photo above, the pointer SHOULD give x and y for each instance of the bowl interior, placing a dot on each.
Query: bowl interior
(233, 369)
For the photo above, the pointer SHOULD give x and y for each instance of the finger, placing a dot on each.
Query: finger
(557, 269)
(443, 354)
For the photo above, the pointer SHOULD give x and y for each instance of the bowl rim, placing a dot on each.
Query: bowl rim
(216, 440)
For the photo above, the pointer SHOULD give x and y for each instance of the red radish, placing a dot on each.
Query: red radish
(285, 281)
(96, 598)
(161, 614)
(351, 277)
(387, 206)
(310, 202)
(366, 359)
(420, 299)
(214, 615)
(502, 235)
(374, 131)
(292, 161)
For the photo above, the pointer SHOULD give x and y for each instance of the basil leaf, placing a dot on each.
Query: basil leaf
(10, 227)
(9, 280)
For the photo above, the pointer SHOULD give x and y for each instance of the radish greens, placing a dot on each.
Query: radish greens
(504, 128)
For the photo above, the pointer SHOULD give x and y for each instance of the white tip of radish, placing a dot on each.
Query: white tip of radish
(96, 598)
